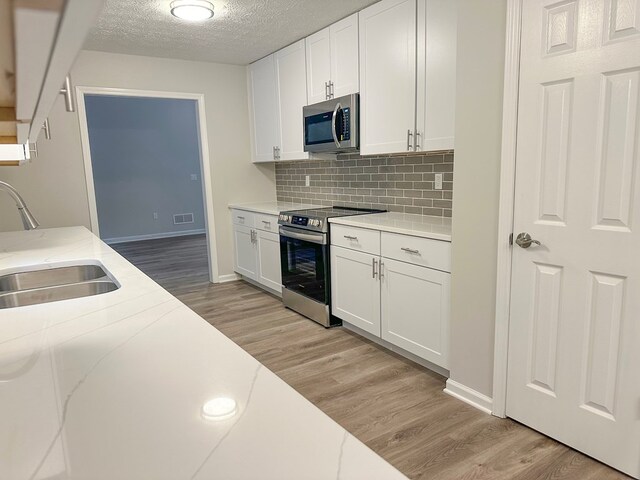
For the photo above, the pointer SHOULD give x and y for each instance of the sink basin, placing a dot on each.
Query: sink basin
(50, 277)
(53, 284)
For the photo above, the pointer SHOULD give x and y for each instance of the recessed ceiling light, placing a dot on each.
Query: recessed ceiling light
(219, 408)
(192, 10)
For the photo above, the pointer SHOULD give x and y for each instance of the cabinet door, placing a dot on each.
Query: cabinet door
(269, 271)
(387, 76)
(263, 109)
(318, 48)
(435, 121)
(415, 310)
(291, 80)
(245, 259)
(345, 73)
(355, 289)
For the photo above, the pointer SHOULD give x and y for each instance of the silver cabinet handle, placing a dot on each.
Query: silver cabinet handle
(409, 144)
(410, 250)
(33, 149)
(47, 129)
(327, 92)
(381, 269)
(524, 240)
(68, 94)
(266, 222)
(373, 272)
(349, 237)
(277, 153)
(417, 136)
(240, 218)
(331, 92)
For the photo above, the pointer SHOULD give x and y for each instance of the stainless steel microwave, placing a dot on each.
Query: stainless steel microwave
(332, 126)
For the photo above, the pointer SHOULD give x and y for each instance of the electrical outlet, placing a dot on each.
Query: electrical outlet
(194, 177)
(155, 215)
(438, 183)
(307, 180)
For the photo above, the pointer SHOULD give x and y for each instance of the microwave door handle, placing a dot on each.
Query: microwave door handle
(333, 124)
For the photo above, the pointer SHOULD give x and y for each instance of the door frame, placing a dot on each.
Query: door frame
(205, 168)
(506, 204)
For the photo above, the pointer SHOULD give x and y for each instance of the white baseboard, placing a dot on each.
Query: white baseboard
(231, 277)
(469, 395)
(153, 236)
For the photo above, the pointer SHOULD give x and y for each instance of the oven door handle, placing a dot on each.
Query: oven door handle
(333, 124)
(313, 237)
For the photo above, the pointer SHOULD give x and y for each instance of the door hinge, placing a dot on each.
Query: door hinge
(511, 238)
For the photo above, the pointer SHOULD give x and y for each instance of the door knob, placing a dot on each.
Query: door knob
(524, 240)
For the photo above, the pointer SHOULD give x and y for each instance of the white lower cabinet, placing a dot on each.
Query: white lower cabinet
(245, 260)
(401, 302)
(415, 310)
(355, 290)
(257, 248)
(268, 251)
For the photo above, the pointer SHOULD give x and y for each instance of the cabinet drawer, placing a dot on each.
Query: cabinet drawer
(360, 239)
(268, 223)
(417, 250)
(240, 217)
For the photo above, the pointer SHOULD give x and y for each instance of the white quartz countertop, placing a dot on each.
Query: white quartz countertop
(272, 208)
(112, 387)
(438, 228)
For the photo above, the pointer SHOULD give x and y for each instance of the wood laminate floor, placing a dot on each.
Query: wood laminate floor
(393, 405)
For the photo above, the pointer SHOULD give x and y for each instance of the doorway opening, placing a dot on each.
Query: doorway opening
(148, 181)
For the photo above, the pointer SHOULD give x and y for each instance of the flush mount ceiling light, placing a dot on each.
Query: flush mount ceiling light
(192, 10)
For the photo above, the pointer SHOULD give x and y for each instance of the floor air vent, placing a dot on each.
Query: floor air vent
(180, 218)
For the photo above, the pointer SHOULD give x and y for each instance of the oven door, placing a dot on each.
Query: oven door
(304, 257)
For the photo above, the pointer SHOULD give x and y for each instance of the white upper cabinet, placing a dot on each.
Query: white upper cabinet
(332, 61)
(407, 76)
(435, 122)
(291, 75)
(387, 76)
(263, 110)
(318, 48)
(345, 64)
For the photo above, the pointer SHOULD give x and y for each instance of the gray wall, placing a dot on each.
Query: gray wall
(481, 42)
(398, 183)
(143, 153)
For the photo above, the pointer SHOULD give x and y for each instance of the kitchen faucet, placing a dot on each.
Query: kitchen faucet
(28, 220)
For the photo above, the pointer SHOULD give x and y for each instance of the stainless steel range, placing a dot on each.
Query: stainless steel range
(304, 256)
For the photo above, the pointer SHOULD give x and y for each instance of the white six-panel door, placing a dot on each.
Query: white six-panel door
(574, 341)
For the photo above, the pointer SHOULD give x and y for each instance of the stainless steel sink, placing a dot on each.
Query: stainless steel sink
(50, 277)
(53, 284)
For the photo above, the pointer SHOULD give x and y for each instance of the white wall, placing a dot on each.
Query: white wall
(53, 185)
(481, 42)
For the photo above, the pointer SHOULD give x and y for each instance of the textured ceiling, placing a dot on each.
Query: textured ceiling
(241, 31)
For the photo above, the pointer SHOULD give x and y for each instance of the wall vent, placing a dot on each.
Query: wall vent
(180, 218)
